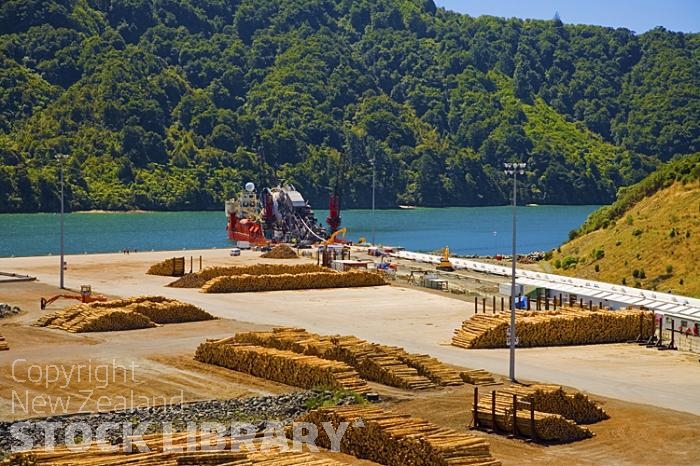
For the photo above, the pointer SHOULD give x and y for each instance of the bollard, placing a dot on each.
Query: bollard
(501, 303)
(475, 420)
(590, 304)
(515, 415)
(494, 305)
(476, 305)
(581, 304)
(483, 305)
(532, 421)
(493, 411)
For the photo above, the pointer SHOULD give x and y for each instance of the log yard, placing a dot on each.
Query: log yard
(287, 341)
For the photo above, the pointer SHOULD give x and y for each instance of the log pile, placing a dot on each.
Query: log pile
(3, 344)
(567, 326)
(400, 440)
(84, 318)
(281, 251)
(184, 452)
(302, 281)
(371, 361)
(198, 279)
(554, 399)
(123, 314)
(477, 377)
(546, 427)
(426, 365)
(169, 268)
(281, 366)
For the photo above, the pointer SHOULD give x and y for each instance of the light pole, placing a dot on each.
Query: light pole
(373, 178)
(513, 169)
(61, 158)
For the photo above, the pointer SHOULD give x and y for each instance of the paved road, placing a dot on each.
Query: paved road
(420, 322)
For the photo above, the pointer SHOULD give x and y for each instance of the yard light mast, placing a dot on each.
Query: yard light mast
(513, 169)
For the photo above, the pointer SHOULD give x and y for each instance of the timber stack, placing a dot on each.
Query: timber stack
(185, 452)
(426, 365)
(300, 281)
(3, 344)
(123, 314)
(174, 267)
(399, 440)
(198, 279)
(496, 411)
(281, 366)
(281, 251)
(477, 377)
(554, 399)
(377, 363)
(567, 326)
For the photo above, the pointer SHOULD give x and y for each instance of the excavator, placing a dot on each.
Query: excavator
(85, 296)
(331, 238)
(445, 263)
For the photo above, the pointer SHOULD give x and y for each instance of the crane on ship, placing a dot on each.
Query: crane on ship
(333, 220)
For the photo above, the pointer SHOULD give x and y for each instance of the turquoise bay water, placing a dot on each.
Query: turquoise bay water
(466, 230)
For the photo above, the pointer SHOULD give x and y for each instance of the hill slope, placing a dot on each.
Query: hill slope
(650, 238)
(174, 104)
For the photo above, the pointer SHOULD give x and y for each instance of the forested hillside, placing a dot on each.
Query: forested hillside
(174, 104)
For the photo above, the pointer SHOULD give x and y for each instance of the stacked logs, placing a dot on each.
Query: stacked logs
(183, 450)
(198, 279)
(369, 360)
(567, 326)
(281, 366)
(83, 318)
(3, 344)
(426, 365)
(303, 281)
(547, 427)
(554, 399)
(477, 377)
(395, 439)
(168, 268)
(281, 251)
(123, 314)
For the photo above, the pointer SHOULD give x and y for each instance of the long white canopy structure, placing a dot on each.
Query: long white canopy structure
(664, 303)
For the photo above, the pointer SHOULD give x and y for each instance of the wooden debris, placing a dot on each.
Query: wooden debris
(123, 314)
(400, 440)
(302, 281)
(567, 326)
(281, 366)
(3, 344)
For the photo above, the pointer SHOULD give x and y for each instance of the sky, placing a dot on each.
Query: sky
(637, 15)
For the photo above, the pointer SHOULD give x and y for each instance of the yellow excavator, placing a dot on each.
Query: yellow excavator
(445, 263)
(331, 238)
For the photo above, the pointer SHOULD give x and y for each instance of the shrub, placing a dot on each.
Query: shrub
(636, 232)
(669, 269)
(568, 262)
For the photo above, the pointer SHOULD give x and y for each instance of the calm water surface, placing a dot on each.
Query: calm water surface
(466, 230)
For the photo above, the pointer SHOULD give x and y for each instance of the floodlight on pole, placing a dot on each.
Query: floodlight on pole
(61, 158)
(513, 169)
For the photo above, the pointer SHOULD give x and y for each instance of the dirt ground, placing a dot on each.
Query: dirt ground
(652, 397)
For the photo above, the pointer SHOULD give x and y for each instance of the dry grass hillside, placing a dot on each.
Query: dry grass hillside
(654, 245)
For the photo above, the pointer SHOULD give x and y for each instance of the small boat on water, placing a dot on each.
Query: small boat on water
(407, 207)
